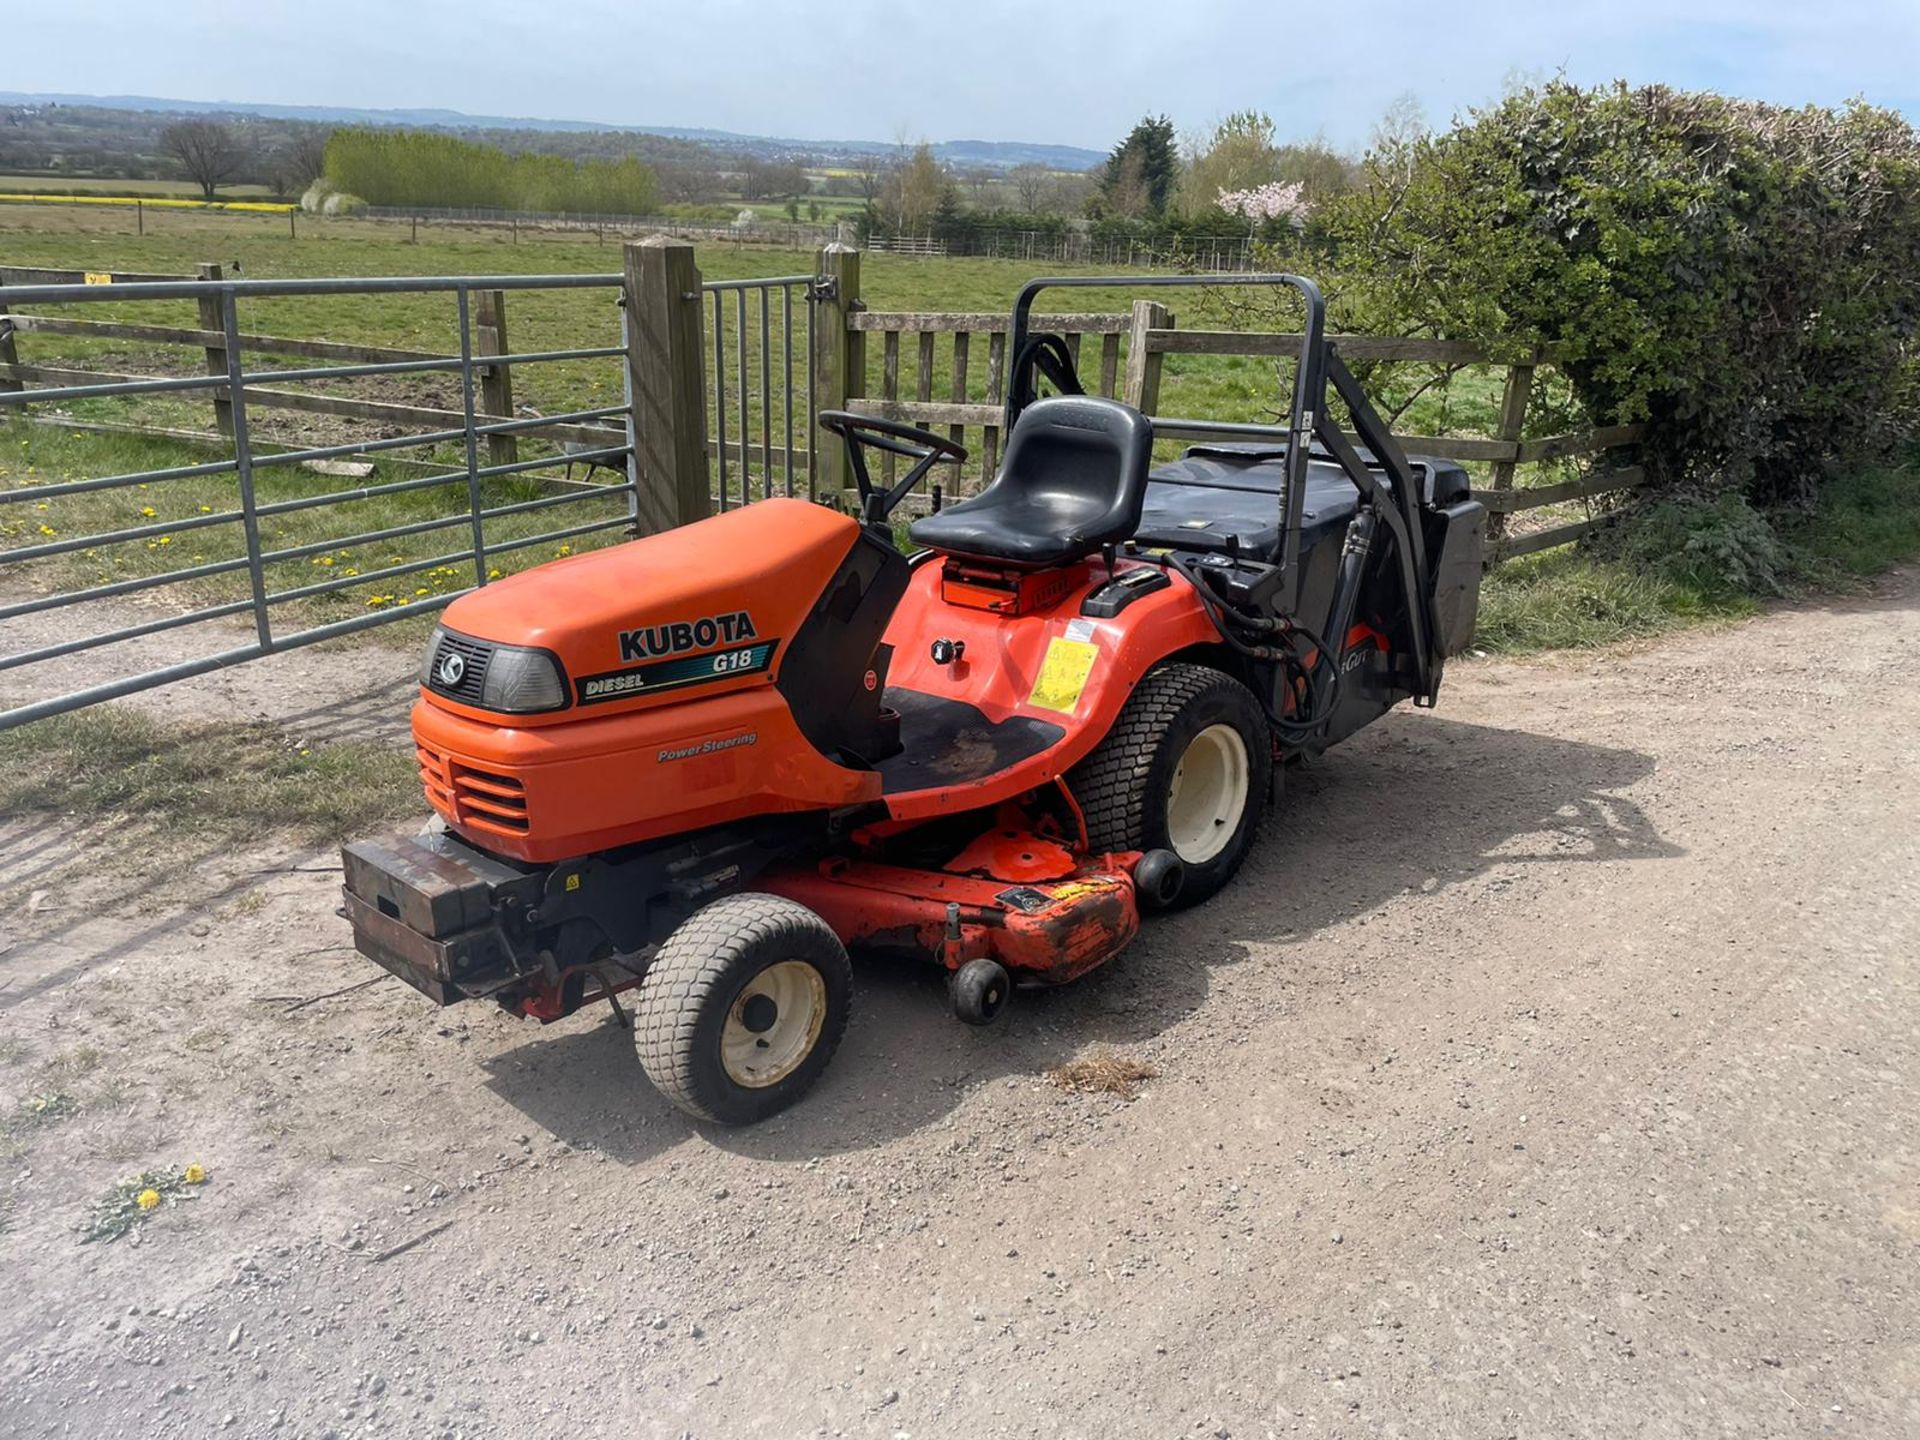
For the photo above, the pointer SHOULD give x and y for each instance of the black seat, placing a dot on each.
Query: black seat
(1074, 479)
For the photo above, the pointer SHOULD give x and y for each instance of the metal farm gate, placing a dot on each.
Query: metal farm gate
(63, 557)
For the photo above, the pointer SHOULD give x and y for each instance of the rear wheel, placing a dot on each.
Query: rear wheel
(742, 1008)
(1185, 768)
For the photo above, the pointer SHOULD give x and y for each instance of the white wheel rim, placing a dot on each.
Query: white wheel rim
(1208, 794)
(773, 1024)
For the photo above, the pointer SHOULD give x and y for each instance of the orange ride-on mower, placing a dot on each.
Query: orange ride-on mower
(703, 764)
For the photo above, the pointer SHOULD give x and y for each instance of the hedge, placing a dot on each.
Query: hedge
(1745, 277)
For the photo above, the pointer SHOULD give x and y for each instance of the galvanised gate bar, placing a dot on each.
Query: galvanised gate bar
(760, 456)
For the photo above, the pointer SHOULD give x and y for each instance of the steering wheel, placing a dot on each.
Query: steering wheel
(863, 432)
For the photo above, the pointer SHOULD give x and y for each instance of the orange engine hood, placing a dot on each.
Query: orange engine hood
(710, 595)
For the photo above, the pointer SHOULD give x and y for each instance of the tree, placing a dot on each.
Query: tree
(294, 163)
(768, 179)
(1240, 155)
(307, 155)
(1031, 183)
(947, 224)
(912, 191)
(208, 151)
(1397, 134)
(1123, 188)
(869, 172)
(688, 181)
(1321, 171)
(1141, 172)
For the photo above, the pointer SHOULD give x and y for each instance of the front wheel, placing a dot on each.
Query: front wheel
(742, 1008)
(1185, 768)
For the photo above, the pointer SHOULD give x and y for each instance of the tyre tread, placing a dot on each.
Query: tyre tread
(1110, 785)
(681, 978)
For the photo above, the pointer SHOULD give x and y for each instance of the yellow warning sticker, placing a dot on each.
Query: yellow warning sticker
(1063, 675)
(99, 277)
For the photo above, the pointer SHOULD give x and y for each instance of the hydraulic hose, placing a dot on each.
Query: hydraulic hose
(1320, 701)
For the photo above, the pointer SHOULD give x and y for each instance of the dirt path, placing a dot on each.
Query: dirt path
(1551, 1072)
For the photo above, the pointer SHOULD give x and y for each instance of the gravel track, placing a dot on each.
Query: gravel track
(1550, 1071)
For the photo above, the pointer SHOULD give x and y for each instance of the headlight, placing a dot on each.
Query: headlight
(433, 654)
(520, 681)
(509, 678)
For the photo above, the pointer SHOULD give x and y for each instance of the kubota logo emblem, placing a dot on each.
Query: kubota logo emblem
(453, 669)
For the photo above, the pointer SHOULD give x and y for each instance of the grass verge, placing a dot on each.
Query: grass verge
(1670, 569)
(227, 781)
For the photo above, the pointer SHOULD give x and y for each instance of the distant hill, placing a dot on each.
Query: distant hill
(989, 154)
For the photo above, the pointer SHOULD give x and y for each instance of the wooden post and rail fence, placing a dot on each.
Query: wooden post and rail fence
(676, 392)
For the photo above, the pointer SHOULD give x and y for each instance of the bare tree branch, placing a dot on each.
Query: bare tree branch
(208, 151)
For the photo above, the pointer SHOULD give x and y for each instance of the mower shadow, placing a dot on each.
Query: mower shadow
(1413, 803)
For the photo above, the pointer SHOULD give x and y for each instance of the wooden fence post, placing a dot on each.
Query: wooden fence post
(496, 381)
(667, 374)
(1143, 364)
(1512, 425)
(211, 319)
(839, 363)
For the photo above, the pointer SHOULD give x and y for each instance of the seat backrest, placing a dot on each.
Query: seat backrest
(1081, 461)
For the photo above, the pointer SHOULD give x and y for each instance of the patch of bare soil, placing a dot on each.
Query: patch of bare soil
(1550, 1071)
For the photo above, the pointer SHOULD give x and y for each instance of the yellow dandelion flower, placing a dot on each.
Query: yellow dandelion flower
(206, 509)
(196, 1173)
(564, 551)
(147, 1199)
(48, 530)
(423, 591)
(148, 511)
(326, 560)
(493, 574)
(349, 571)
(166, 539)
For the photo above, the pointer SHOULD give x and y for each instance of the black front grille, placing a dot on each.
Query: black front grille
(472, 657)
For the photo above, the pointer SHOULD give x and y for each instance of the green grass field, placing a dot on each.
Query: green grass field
(1554, 599)
(259, 247)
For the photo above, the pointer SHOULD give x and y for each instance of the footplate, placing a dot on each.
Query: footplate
(429, 910)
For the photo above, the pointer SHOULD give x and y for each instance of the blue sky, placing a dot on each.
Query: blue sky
(1045, 70)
